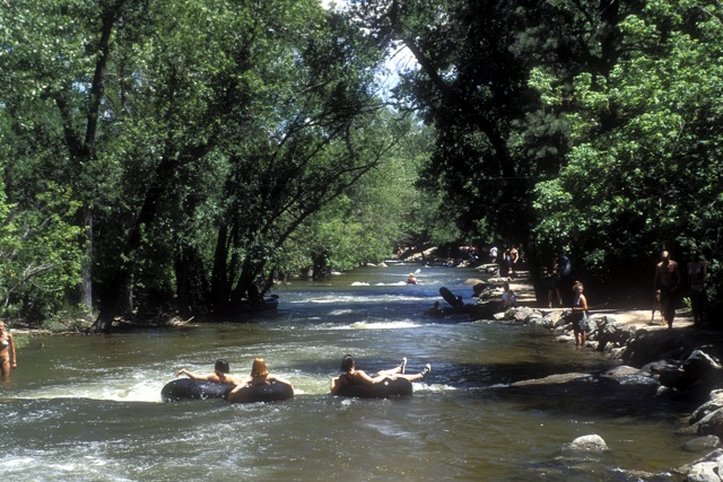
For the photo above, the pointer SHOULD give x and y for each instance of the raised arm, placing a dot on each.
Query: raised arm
(195, 376)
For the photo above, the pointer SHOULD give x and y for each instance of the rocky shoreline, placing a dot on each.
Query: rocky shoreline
(654, 364)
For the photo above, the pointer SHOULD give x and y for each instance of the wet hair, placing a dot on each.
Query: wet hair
(347, 363)
(578, 284)
(506, 285)
(221, 365)
(259, 368)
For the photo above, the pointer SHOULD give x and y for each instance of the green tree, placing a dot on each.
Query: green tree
(652, 180)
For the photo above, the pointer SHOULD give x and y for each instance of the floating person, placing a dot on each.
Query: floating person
(220, 374)
(8, 358)
(436, 309)
(280, 389)
(411, 279)
(260, 375)
(351, 376)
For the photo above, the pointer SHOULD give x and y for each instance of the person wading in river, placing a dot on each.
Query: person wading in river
(219, 375)
(8, 360)
(352, 376)
(579, 314)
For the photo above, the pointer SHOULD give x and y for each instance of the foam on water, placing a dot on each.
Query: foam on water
(370, 298)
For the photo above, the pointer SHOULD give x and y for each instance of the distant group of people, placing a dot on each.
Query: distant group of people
(506, 261)
(260, 375)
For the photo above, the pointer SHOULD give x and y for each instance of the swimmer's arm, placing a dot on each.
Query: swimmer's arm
(274, 378)
(195, 376)
(334, 385)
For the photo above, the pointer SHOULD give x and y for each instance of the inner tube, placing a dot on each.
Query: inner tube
(268, 392)
(188, 389)
(389, 387)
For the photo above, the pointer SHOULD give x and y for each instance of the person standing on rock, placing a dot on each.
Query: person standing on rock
(579, 314)
(666, 283)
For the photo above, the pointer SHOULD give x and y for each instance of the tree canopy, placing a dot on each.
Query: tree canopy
(177, 157)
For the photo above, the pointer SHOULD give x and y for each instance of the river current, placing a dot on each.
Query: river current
(88, 408)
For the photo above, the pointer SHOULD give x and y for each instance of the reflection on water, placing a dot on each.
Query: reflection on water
(88, 408)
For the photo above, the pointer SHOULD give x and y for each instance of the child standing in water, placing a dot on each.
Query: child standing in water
(579, 314)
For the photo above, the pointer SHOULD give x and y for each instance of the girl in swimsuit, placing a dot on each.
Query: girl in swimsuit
(353, 376)
(259, 376)
(8, 360)
(579, 314)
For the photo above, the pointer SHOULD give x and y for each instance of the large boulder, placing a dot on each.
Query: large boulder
(587, 443)
(701, 444)
(705, 469)
(626, 375)
(711, 424)
(608, 332)
(715, 401)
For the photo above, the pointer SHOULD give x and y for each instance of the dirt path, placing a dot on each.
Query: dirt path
(637, 318)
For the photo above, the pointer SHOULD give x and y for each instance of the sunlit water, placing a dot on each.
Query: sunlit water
(89, 408)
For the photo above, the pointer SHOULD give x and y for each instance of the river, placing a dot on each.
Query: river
(88, 408)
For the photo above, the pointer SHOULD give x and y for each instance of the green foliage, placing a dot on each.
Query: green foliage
(652, 179)
(40, 254)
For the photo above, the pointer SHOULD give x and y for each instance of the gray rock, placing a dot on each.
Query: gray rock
(705, 469)
(587, 443)
(714, 403)
(703, 472)
(711, 424)
(701, 444)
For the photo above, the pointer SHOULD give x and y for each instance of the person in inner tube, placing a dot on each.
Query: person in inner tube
(259, 376)
(352, 376)
(220, 374)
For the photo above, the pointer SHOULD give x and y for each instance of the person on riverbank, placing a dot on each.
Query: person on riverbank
(514, 258)
(579, 314)
(493, 254)
(666, 283)
(697, 272)
(509, 299)
(220, 374)
(8, 358)
(352, 376)
(564, 279)
(550, 282)
(505, 265)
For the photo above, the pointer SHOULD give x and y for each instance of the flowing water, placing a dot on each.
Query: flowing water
(89, 408)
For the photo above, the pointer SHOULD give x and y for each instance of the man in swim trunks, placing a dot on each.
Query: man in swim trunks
(219, 375)
(665, 283)
(352, 376)
(8, 360)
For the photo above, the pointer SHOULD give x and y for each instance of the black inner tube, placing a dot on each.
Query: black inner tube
(389, 387)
